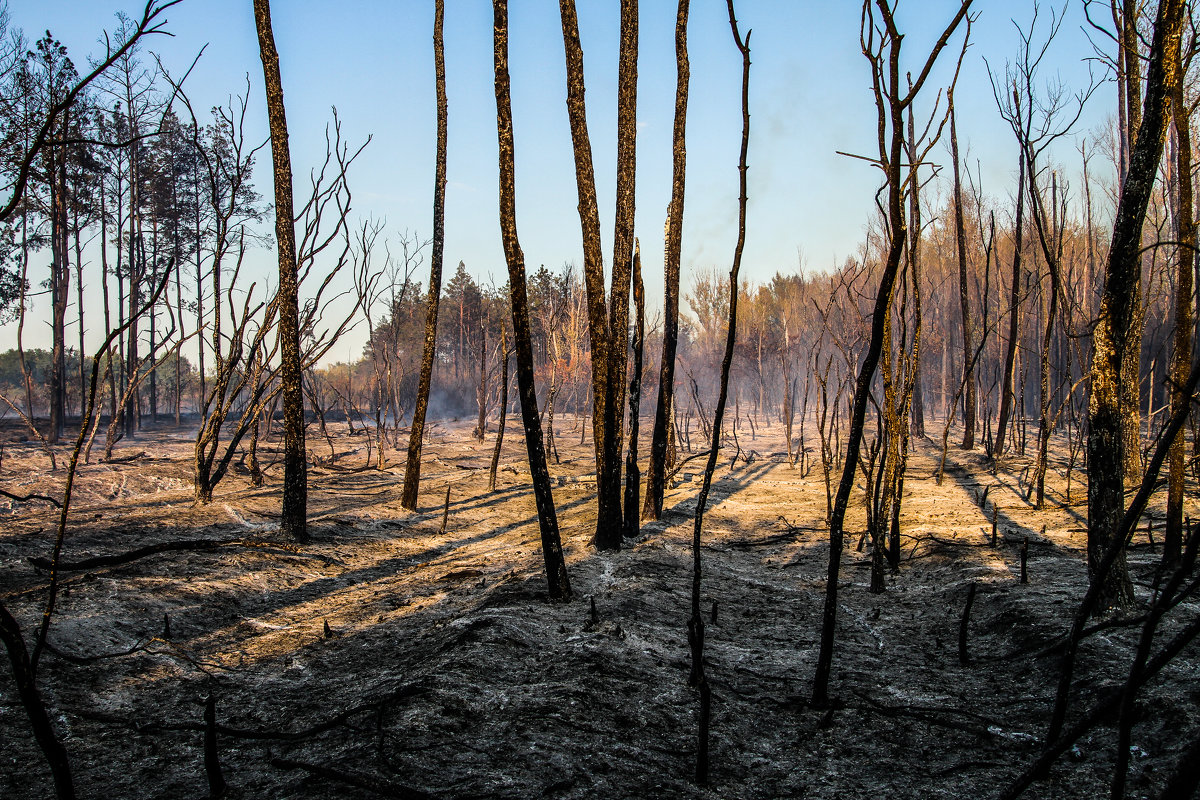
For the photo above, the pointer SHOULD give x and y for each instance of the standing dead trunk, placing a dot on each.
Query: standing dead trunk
(1107, 408)
(663, 422)
(696, 621)
(293, 522)
(1181, 352)
(504, 355)
(633, 475)
(1014, 307)
(559, 586)
(412, 469)
(891, 102)
(964, 298)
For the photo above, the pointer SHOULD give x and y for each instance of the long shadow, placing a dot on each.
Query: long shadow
(962, 476)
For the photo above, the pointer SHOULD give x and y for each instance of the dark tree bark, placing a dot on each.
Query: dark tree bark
(1181, 352)
(608, 324)
(295, 468)
(504, 356)
(657, 468)
(559, 586)
(696, 621)
(412, 469)
(1014, 309)
(891, 103)
(35, 707)
(964, 298)
(633, 475)
(1108, 404)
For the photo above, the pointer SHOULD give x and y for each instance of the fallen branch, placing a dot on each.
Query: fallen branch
(28, 497)
(134, 555)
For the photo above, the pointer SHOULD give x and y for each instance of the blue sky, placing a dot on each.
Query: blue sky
(810, 97)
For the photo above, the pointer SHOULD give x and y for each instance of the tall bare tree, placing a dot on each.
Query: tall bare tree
(1108, 406)
(881, 42)
(559, 585)
(294, 521)
(412, 469)
(657, 468)
(608, 323)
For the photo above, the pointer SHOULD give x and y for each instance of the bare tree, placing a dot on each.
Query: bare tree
(881, 45)
(412, 468)
(655, 482)
(294, 521)
(608, 323)
(1108, 407)
(559, 585)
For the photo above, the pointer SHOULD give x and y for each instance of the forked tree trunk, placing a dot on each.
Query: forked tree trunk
(293, 521)
(504, 355)
(412, 469)
(663, 422)
(559, 586)
(891, 107)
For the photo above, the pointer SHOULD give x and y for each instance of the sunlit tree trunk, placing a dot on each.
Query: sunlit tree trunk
(1107, 407)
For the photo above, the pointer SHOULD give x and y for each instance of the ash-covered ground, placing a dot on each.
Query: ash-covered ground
(443, 670)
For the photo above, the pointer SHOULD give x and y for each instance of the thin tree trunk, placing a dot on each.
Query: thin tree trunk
(559, 585)
(964, 298)
(295, 479)
(633, 476)
(504, 356)
(1181, 352)
(1014, 304)
(412, 468)
(663, 422)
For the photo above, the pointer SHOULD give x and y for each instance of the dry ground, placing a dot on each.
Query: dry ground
(445, 670)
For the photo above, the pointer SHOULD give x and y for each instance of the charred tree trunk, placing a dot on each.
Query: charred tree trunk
(1181, 352)
(504, 355)
(633, 475)
(412, 469)
(1014, 308)
(1107, 408)
(559, 586)
(295, 478)
(663, 422)
(891, 104)
(964, 298)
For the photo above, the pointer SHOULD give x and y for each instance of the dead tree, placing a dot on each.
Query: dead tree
(294, 521)
(559, 586)
(1108, 408)
(633, 476)
(656, 469)
(505, 354)
(696, 621)
(608, 323)
(1181, 351)
(881, 45)
(964, 297)
(412, 468)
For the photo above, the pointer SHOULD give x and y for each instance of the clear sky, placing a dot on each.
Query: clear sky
(810, 97)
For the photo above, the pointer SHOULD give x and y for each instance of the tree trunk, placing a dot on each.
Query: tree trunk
(504, 355)
(558, 584)
(633, 476)
(1107, 406)
(412, 469)
(964, 298)
(663, 422)
(1014, 303)
(295, 479)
